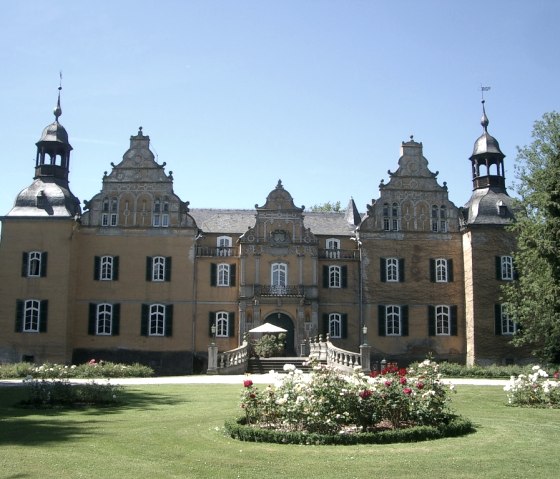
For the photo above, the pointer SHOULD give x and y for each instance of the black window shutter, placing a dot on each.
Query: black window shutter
(383, 269)
(115, 268)
(404, 320)
(450, 270)
(145, 319)
(24, 264)
(169, 320)
(515, 272)
(211, 322)
(431, 320)
(44, 257)
(96, 268)
(325, 276)
(43, 315)
(116, 329)
(381, 324)
(231, 324)
(19, 316)
(232, 275)
(326, 328)
(213, 274)
(168, 268)
(453, 328)
(149, 266)
(401, 270)
(344, 276)
(92, 318)
(498, 319)
(432, 270)
(344, 326)
(499, 268)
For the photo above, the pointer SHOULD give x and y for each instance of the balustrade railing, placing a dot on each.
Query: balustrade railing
(215, 251)
(272, 290)
(234, 361)
(338, 254)
(336, 357)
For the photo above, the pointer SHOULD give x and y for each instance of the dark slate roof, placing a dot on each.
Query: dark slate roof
(484, 206)
(238, 221)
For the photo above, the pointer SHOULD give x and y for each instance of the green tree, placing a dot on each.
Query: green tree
(534, 300)
(327, 207)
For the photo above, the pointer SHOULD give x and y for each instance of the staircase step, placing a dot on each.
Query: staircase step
(265, 365)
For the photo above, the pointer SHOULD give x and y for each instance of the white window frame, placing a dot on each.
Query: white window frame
(156, 320)
(335, 325)
(443, 320)
(395, 217)
(279, 277)
(224, 245)
(393, 320)
(223, 274)
(507, 325)
(506, 268)
(333, 248)
(34, 263)
(392, 270)
(222, 324)
(158, 268)
(31, 315)
(106, 264)
(442, 270)
(335, 276)
(104, 319)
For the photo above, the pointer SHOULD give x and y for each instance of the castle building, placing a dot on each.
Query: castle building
(139, 276)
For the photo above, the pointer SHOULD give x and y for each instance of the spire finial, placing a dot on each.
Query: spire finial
(58, 111)
(484, 120)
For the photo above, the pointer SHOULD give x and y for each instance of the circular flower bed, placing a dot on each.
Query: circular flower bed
(328, 407)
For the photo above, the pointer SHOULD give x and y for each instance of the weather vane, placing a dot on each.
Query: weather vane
(483, 89)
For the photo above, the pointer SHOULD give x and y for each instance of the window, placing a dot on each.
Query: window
(224, 245)
(392, 270)
(393, 320)
(439, 218)
(441, 270)
(504, 268)
(279, 277)
(109, 215)
(34, 264)
(104, 319)
(395, 217)
(106, 268)
(157, 320)
(335, 276)
(222, 274)
(333, 248)
(224, 323)
(386, 218)
(158, 268)
(31, 316)
(505, 325)
(442, 320)
(114, 211)
(391, 217)
(335, 325)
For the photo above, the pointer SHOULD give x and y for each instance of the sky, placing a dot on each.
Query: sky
(236, 95)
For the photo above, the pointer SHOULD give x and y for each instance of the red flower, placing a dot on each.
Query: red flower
(247, 383)
(365, 393)
(402, 380)
(402, 372)
(252, 396)
(388, 383)
(556, 375)
(420, 385)
(374, 374)
(407, 391)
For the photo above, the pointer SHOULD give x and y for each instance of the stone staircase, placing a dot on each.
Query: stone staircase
(265, 365)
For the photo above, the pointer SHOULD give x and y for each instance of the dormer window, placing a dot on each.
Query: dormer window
(109, 215)
(439, 219)
(391, 217)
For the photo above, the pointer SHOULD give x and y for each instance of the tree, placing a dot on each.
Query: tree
(534, 300)
(327, 207)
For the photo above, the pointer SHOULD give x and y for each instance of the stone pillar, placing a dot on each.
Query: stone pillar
(212, 359)
(365, 351)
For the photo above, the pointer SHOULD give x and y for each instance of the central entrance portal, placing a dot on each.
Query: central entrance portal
(284, 321)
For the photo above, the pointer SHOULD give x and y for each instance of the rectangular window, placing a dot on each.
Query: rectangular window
(333, 248)
(222, 274)
(34, 264)
(104, 219)
(113, 219)
(335, 276)
(31, 316)
(165, 220)
(504, 268)
(279, 277)
(224, 245)
(157, 320)
(158, 268)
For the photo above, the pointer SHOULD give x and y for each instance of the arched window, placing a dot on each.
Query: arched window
(223, 275)
(104, 316)
(442, 320)
(157, 320)
(279, 277)
(224, 245)
(335, 325)
(222, 324)
(334, 277)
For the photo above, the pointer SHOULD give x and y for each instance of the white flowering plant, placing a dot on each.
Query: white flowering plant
(536, 389)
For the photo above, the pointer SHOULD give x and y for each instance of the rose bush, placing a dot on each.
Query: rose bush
(536, 389)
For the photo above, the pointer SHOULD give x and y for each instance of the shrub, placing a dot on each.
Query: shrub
(534, 390)
(270, 345)
(455, 370)
(328, 402)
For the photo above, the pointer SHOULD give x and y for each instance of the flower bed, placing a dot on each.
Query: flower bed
(328, 407)
(534, 390)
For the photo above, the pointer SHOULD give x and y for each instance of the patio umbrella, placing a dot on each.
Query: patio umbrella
(267, 328)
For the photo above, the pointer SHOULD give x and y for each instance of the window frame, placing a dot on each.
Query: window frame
(392, 270)
(31, 315)
(506, 268)
(158, 269)
(335, 326)
(222, 324)
(393, 326)
(34, 264)
(224, 245)
(223, 275)
(441, 267)
(279, 276)
(332, 248)
(335, 276)
(104, 319)
(443, 320)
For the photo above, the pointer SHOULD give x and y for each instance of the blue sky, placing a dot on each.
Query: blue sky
(238, 94)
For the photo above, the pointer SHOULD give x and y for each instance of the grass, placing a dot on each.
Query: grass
(176, 431)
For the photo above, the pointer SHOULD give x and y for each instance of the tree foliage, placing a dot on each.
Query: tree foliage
(328, 207)
(534, 300)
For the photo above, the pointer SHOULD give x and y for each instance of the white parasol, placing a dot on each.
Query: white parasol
(267, 328)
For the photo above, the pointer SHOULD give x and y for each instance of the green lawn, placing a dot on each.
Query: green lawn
(176, 432)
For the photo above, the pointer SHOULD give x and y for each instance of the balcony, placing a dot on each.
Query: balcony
(215, 251)
(343, 254)
(290, 291)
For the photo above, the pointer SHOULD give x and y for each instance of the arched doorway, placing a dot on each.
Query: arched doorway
(284, 321)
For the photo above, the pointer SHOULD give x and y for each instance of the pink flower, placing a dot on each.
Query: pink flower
(402, 372)
(556, 375)
(420, 385)
(402, 380)
(91, 362)
(407, 391)
(388, 383)
(247, 383)
(365, 393)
